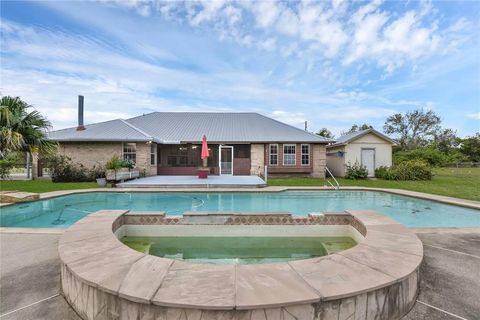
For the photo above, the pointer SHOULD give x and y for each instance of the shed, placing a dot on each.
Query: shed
(369, 148)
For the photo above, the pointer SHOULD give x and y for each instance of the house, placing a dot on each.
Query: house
(369, 148)
(169, 143)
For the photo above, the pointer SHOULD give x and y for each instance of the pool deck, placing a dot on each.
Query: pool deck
(449, 288)
(195, 182)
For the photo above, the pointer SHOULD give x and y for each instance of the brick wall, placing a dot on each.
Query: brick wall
(315, 168)
(98, 153)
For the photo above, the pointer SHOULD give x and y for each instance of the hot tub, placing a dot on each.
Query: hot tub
(103, 278)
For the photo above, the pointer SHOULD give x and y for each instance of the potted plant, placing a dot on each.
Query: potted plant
(98, 173)
(114, 164)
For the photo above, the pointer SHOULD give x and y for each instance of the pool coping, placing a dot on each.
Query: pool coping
(472, 204)
(93, 257)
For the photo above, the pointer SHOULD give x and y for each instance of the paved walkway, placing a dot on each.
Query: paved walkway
(450, 286)
(193, 181)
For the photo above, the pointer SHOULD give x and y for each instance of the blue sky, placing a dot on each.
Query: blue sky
(330, 63)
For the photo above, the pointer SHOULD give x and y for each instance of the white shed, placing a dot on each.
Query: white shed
(369, 148)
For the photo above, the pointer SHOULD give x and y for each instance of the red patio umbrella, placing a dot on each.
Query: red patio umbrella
(205, 153)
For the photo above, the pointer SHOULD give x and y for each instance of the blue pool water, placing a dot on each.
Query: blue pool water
(63, 211)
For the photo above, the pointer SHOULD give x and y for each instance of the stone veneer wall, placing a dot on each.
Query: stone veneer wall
(319, 157)
(90, 301)
(92, 154)
(257, 159)
(389, 303)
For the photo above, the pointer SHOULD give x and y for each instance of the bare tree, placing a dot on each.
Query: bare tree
(414, 128)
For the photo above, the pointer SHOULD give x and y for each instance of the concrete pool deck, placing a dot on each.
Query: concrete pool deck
(225, 181)
(449, 286)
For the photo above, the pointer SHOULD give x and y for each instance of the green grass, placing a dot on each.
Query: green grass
(43, 185)
(454, 182)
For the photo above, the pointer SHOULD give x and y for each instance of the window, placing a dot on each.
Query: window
(289, 155)
(153, 154)
(305, 154)
(130, 151)
(273, 154)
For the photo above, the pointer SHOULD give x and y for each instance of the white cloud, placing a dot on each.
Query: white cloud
(340, 30)
(292, 118)
(475, 116)
(127, 75)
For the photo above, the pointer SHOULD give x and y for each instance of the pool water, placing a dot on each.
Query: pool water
(238, 250)
(63, 211)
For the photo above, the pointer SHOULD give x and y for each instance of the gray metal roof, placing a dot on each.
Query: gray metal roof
(113, 130)
(182, 127)
(349, 137)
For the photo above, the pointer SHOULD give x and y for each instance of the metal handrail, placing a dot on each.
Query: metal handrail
(336, 182)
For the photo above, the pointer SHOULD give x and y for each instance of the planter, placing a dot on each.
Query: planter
(102, 182)
(203, 173)
(122, 174)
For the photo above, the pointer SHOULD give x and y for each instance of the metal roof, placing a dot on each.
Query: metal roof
(183, 127)
(113, 130)
(349, 137)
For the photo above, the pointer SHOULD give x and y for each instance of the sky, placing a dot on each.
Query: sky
(330, 63)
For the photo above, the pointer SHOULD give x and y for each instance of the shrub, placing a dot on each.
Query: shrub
(407, 170)
(114, 163)
(128, 164)
(430, 155)
(356, 171)
(97, 172)
(380, 172)
(63, 170)
(5, 167)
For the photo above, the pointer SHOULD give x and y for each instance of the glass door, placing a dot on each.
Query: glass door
(226, 160)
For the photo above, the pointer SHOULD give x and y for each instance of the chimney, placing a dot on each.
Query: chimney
(80, 114)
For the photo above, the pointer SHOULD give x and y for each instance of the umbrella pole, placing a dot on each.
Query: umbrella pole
(205, 162)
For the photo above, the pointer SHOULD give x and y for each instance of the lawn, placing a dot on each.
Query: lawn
(454, 182)
(43, 185)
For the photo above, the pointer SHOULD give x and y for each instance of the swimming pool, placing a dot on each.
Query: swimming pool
(63, 211)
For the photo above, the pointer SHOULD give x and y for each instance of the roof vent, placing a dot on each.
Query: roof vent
(80, 114)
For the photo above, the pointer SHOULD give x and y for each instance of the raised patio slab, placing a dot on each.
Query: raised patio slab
(194, 182)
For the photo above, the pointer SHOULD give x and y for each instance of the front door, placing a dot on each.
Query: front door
(368, 161)
(226, 160)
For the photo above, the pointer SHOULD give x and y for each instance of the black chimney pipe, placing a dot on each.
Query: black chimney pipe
(80, 114)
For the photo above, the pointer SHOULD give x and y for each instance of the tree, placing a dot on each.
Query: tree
(21, 129)
(446, 140)
(324, 132)
(470, 146)
(414, 128)
(357, 127)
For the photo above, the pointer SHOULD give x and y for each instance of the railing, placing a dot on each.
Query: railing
(337, 185)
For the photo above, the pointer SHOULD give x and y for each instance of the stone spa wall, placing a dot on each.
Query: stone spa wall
(104, 279)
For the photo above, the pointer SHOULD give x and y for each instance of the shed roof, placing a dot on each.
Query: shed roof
(189, 127)
(349, 137)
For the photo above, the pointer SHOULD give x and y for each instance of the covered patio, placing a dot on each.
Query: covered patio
(185, 159)
(225, 181)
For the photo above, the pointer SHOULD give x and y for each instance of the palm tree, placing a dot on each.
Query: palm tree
(21, 130)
